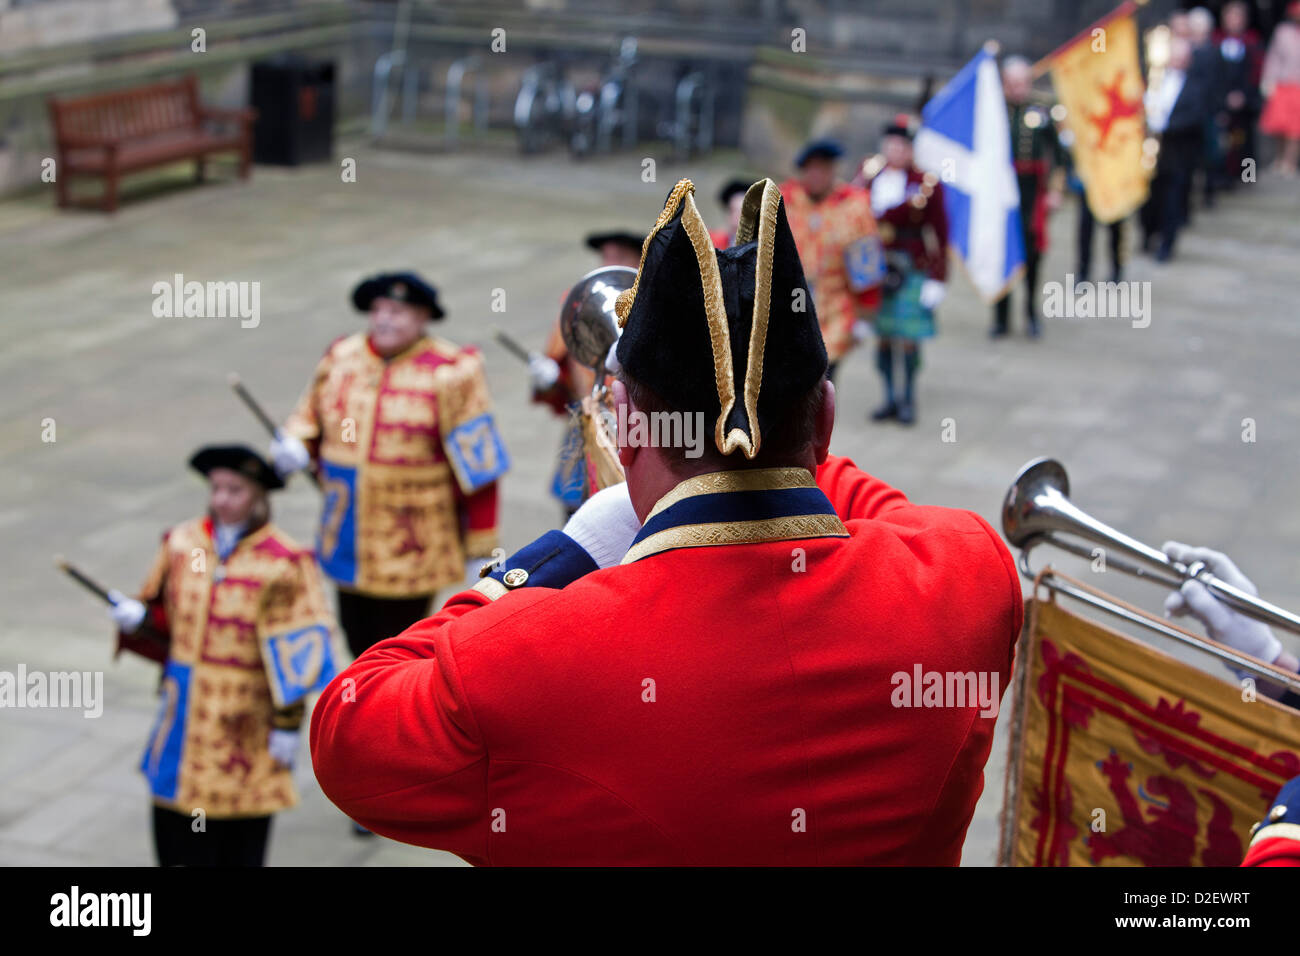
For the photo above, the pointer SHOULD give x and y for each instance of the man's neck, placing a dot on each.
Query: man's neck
(649, 486)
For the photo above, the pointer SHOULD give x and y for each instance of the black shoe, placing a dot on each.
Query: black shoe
(1032, 329)
(998, 332)
(885, 412)
(1165, 252)
(906, 413)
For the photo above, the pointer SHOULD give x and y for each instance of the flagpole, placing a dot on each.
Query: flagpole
(1123, 10)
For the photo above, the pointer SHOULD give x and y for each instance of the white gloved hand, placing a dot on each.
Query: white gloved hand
(932, 293)
(861, 329)
(127, 613)
(283, 745)
(1224, 624)
(288, 454)
(543, 372)
(605, 525)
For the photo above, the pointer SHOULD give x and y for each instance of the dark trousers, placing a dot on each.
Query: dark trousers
(1087, 223)
(1002, 308)
(238, 842)
(367, 620)
(1241, 145)
(1165, 211)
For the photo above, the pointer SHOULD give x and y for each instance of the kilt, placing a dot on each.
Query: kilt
(901, 314)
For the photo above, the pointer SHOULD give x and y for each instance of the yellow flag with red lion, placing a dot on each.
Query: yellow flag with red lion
(1124, 756)
(1099, 82)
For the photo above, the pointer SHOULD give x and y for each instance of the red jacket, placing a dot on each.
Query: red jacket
(726, 704)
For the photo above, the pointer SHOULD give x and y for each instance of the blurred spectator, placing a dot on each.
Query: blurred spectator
(834, 231)
(909, 206)
(1243, 58)
(1039, 162)
(1176, 111)
(1280, 83)
(1207, 60)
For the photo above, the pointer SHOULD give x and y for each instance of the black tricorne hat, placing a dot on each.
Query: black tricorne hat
(401, 286)
(238, 458)
(629, 239)
(731, 333)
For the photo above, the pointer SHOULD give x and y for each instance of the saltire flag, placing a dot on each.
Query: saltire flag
(965, 139)
(1098, 81)
(1124, 756)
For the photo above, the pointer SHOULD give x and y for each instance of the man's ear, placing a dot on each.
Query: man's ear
(825, 421)
(622, 409)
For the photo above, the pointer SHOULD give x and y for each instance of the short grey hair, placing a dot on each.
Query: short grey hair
(1016, 62)
(1201, 21)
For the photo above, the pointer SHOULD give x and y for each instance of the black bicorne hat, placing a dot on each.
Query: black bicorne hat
(628, 240)
(401, 286)
(900, 125)
(732, 187)
(818, 149)
(238, 458)
(731, 333)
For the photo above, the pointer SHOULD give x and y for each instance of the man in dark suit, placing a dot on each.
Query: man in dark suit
(1243, 58)
(1176, 111)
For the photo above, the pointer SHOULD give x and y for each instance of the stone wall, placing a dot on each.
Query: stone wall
(863, 60)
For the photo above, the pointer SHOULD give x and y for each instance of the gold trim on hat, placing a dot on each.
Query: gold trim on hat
(757, 214)
(715, 311)
(757, 220)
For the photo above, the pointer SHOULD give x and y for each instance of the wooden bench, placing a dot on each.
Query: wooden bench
(110, 134)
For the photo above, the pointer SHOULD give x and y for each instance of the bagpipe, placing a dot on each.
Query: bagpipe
(1119, 753)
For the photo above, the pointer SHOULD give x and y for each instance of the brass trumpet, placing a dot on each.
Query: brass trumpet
(1038, 510)
(589, 327)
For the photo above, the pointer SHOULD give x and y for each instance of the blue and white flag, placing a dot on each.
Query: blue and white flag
(965, 140)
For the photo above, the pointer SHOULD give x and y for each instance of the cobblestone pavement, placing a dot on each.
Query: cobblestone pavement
(1149, 420)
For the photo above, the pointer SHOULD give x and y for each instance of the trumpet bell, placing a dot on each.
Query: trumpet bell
(588, 322)
(1029, 509)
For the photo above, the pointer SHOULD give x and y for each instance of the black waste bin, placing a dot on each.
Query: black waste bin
(294, 99)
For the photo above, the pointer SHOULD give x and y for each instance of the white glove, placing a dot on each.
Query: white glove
(605, 525)
(543, 372)
(127, 613)
(288, 454)
(932, 293)
(861, 329)
(1224, 624)
(283, 745)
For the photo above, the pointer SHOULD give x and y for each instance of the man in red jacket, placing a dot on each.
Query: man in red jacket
(750, 653)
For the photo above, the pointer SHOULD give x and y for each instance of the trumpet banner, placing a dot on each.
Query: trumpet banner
(1124, 756)
(1097, 79)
